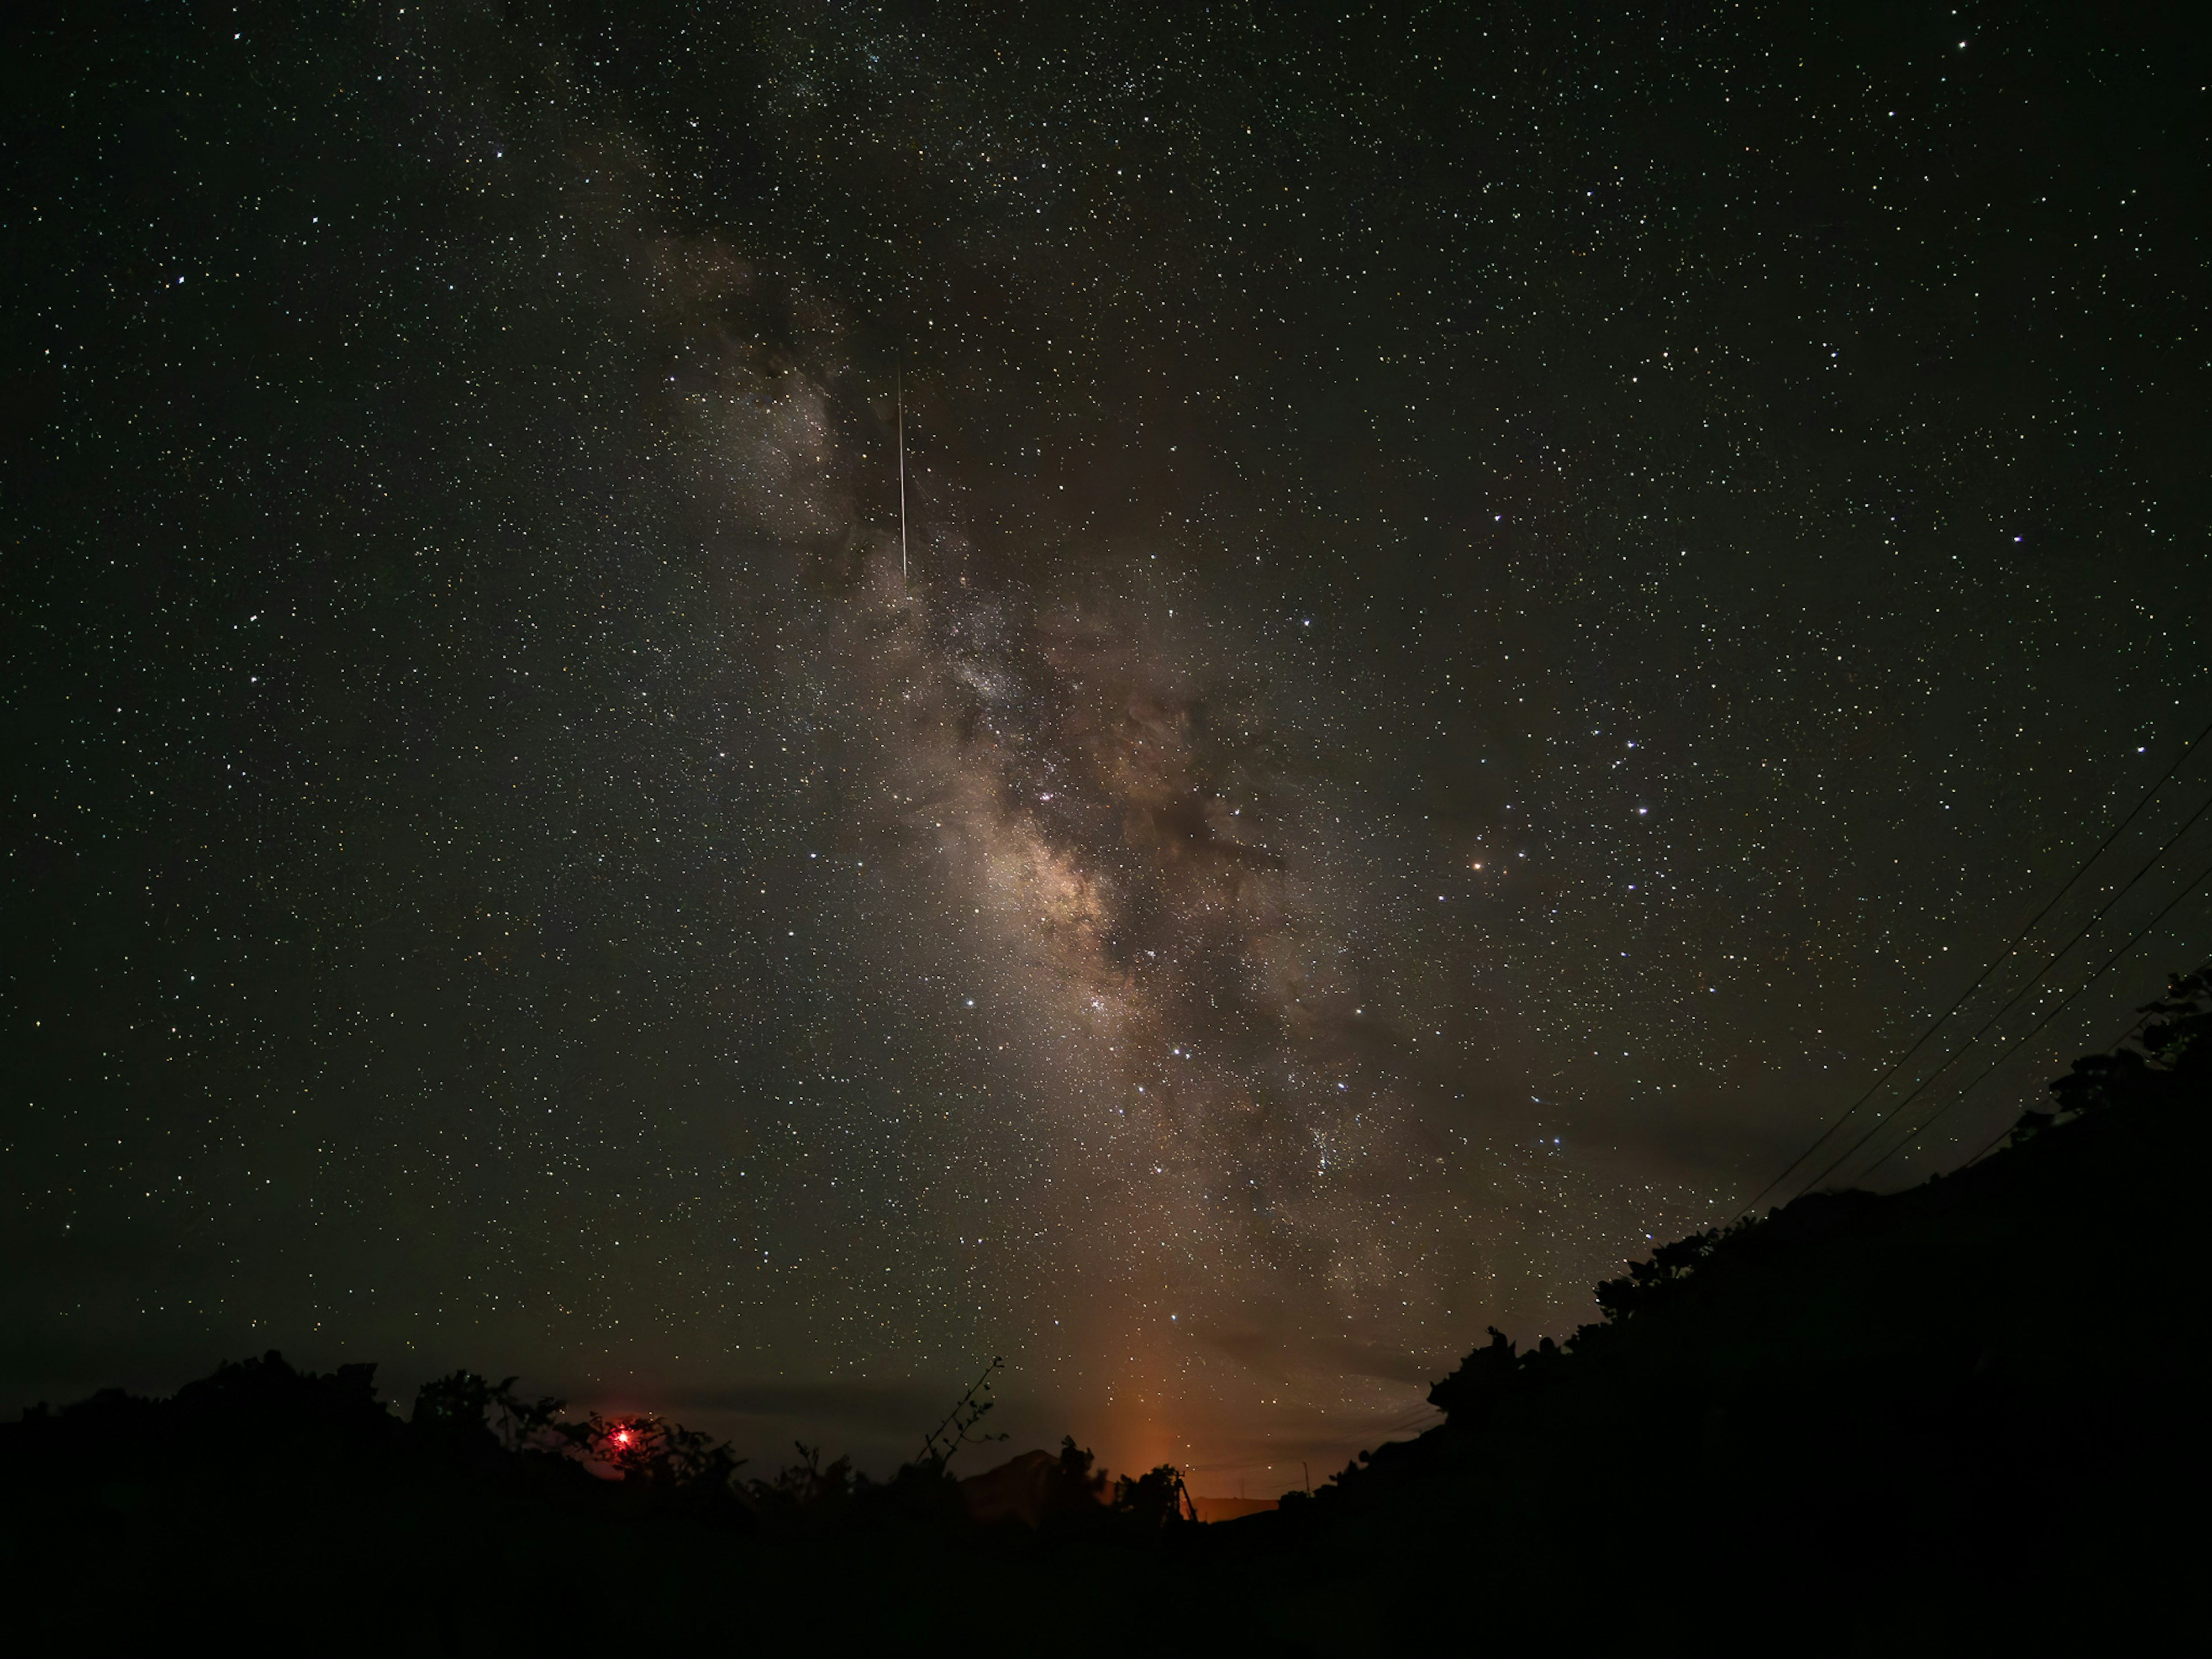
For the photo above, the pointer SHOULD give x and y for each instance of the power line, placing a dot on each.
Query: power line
(1990, 1145)
(1412, 1421)
(2203, 876)
(2142, 1018)
(1921, 1087)
(2187, 750)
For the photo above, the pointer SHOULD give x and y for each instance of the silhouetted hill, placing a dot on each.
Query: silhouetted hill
(1963, 1410)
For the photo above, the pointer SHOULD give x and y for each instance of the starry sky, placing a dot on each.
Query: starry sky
(1497, 606)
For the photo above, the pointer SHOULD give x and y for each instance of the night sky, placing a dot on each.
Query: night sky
(1501, 605)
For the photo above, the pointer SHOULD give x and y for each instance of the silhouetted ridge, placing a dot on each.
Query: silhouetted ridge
(1956, 1409)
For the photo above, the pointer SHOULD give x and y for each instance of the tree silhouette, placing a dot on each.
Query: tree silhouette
(2169, 1052)
(1075, 1491)
(1155, 1499)
(808, 1489)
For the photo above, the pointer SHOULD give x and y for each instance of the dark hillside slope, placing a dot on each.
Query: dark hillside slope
(1969, 1408)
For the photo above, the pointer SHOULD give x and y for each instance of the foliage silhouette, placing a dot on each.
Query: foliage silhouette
(1154, 1499)
(1077, 1489)
(1855, 1391)
(805, 1491)
(1854, 1402)
(942, 1442)
(2169, 1052)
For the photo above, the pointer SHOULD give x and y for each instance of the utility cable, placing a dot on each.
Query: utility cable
(1990, 1145)
(1412, 1421)
(1921, 1087)
(2142, 1018)
(2119, 830)
(1929, 1122)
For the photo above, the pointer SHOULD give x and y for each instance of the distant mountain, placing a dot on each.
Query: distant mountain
(1020, 1489)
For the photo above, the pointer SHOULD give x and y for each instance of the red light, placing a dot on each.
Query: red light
(622, 1436)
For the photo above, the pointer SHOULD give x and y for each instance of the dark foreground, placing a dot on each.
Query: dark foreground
(1955, 1417)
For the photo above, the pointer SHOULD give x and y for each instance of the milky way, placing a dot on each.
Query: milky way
(1493, 616)
(1120, 905)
